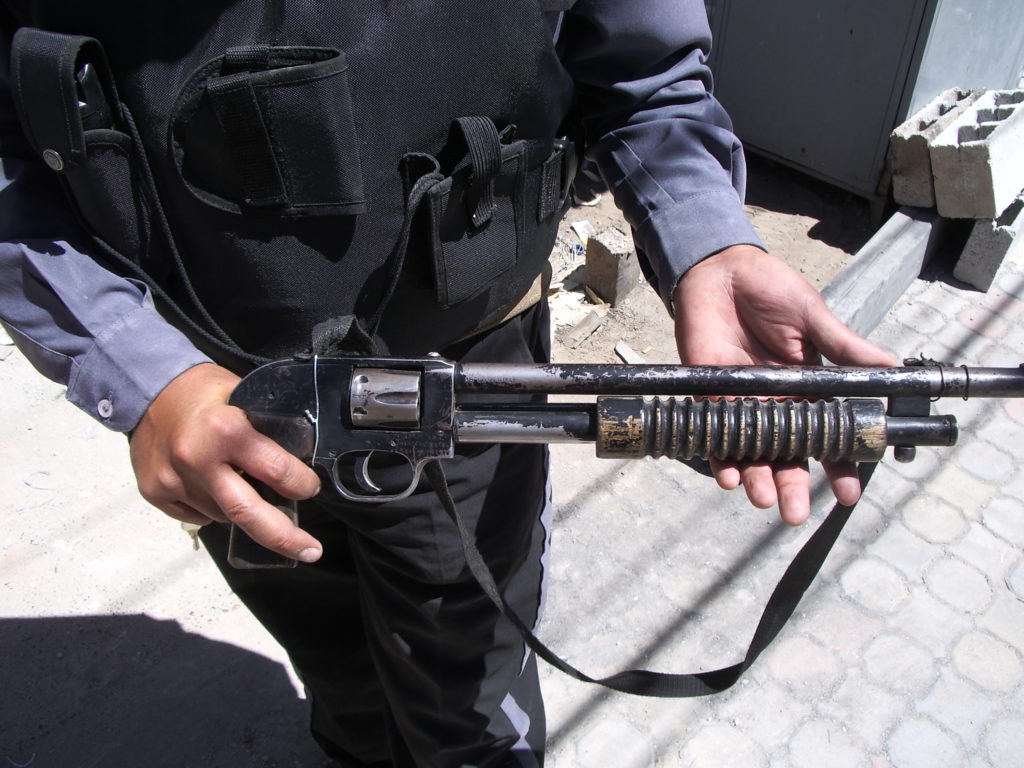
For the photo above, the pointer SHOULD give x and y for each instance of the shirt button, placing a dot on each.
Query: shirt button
(105, 408)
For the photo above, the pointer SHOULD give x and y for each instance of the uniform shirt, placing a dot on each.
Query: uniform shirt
(663, 145)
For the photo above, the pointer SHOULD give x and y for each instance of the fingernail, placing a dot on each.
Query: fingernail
(309, 555)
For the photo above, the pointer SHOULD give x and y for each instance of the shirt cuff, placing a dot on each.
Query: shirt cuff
(131, 362)
(675, 238)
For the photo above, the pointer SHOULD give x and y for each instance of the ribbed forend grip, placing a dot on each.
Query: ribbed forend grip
(743, 429)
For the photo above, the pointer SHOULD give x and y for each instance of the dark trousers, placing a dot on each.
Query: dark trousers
(406, 661)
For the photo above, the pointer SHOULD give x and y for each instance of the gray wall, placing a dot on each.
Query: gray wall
(973, 44)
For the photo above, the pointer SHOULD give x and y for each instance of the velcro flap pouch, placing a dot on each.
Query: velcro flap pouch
(270, 130)
(476, 214)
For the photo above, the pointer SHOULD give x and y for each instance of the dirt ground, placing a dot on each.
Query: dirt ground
(813, 226)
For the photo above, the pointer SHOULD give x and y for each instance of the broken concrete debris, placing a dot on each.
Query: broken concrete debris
(611, 270)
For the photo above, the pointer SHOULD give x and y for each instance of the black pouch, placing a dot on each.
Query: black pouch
(270, 130)
(68, 105)
(476, 214)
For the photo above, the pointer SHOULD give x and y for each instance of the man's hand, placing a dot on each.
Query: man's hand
(743, 306)
(189, 448)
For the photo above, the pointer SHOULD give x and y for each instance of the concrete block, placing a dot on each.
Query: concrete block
(911, 164)
(977, 162)
(611, 270)
(990, 243)
(878, 274)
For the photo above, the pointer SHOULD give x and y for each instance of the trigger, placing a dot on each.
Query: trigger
(362, 473)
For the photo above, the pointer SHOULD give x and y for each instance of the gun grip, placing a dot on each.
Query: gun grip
(246, 554)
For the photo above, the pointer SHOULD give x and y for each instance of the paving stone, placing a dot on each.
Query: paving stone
(997, 355)
(932, 623)
(1011, 281)
(920, 316)
(945, 298)
(747, 712)
(803, 665)
(986, 552)
(1015, 487)
(1004, 516)
(866, 522)
(717, 745)
(1007, 305)
(899, 340)
(981, 322)
(1014, 408)
(888, 489)
(922, 744)
(1005, 742)
(959, 584)
(900, 663)
(987, 462)
(900, 548)
(870, 723)
(962, 490)
(875, 585)
(1016, 582)
(613, 743)
(842, 626)
(824, 742)
(960, 707)
(1006, 435)
(989, 662)
(933, 519)
(1005, 620)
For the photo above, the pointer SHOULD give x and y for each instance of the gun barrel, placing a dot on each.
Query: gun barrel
(528, 424)
(741, 381)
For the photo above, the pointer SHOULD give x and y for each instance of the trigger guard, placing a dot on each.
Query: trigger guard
(376, 498)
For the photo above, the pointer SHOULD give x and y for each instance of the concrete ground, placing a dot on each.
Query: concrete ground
(120, 646)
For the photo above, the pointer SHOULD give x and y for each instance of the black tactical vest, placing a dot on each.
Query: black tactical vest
(269, 165)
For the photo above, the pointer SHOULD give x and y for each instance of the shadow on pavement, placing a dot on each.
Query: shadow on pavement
(135, 691)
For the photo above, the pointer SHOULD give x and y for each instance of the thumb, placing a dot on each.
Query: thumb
(838, 343)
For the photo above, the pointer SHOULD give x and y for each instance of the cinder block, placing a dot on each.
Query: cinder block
(911, 164)
(611, 269)
(977, 162)
(990, 243)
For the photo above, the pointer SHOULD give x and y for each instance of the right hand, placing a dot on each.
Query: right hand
(188, 451)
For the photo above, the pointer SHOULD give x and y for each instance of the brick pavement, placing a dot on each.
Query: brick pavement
(909, 650)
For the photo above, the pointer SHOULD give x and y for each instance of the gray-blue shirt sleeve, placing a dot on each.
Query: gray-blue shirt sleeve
(661, 141)
(76, 322)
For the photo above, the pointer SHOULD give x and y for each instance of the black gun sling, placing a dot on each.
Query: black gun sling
(783, 601)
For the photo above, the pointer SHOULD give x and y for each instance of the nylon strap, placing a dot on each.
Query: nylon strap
(780, 606)
(484, 145)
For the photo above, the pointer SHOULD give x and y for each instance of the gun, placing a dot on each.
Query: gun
(345, 415)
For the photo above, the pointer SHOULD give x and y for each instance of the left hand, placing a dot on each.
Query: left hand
(743, 306)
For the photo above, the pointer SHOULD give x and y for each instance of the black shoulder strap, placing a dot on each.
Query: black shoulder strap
(641, 682)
